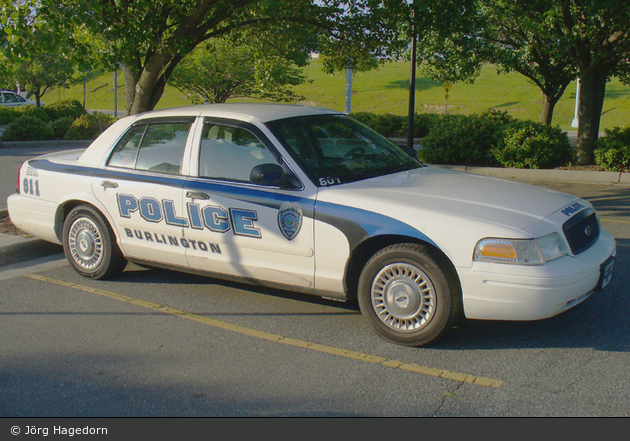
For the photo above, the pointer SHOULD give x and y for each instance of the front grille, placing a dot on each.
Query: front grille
(582, 230)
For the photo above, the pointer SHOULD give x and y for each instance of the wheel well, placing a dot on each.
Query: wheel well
(369, 247)
(62, 213)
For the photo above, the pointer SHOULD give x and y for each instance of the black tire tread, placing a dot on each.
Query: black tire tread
(445, 271)
(113, 261)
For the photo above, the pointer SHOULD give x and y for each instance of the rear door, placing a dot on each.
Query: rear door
(141, 188)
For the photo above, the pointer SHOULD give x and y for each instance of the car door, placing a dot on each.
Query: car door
(242, 229)
(141, 188)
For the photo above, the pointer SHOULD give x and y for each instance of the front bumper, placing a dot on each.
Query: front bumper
(514, 292)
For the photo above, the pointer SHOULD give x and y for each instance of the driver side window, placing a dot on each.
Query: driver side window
(230, 153)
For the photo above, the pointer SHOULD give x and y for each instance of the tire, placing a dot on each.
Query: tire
(90, 245)
(409, 294)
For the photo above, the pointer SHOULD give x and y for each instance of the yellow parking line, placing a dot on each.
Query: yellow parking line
(615, 221)
(394, 364)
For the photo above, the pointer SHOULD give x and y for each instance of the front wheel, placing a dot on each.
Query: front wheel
(409, 294)
(90, 245)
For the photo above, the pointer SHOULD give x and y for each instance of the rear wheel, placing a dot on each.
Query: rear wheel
(90, 245)
(409, 295)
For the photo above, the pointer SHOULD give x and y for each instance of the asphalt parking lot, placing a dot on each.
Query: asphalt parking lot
(157, 343)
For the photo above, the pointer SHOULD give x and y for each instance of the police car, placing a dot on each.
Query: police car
(309, 200)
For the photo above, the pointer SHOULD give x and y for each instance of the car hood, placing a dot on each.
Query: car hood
(438, 193)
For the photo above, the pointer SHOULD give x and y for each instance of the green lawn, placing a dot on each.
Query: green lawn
(385, 90)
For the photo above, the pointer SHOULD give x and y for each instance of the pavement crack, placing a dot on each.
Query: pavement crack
(446, 396)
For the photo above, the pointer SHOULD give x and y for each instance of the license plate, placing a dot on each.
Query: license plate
(606, 271)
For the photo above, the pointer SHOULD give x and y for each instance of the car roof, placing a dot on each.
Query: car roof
(247, 112)
(262, 112)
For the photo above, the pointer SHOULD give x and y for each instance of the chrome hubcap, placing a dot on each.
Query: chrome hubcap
(85, 243)
(403, 297)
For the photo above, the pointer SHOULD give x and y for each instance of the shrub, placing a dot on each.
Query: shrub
(7, 114)
(64, 109)
(60, 126)
(37, 112)
(534, 145)
(613, 150)
(27, 128)
(459, 139)
(89, 126)
(422, 124)
(395, 126)
(387, 124)
(499, 117)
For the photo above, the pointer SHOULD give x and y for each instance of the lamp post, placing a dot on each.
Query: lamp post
(576, 118)
(116, 92)
(348, 106)
(412, 83)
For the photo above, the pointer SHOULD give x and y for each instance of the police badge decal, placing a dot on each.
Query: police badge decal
(290, 219)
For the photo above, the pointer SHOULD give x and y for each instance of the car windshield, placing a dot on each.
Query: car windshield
(335, 149)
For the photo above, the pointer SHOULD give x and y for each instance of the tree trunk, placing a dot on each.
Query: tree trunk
(38, 97)
(593, 89)
(546, 113)
(131, 79)
(146, 84)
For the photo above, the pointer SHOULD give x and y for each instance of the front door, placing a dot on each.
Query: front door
(239, 228)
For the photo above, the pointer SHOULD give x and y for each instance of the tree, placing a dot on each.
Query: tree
(448, 61)
(432, 25)
(546, 40)
(220, 69)
(41, 72)
(35, 55)
(596, 35)
(516, 37)
(151, 37)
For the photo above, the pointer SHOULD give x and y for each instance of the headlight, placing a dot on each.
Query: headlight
(521, 251)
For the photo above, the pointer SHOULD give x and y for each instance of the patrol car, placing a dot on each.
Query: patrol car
(309, 200)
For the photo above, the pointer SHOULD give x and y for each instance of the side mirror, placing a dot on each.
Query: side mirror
(272, 175)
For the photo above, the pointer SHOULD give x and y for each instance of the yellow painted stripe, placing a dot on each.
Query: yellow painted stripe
(615, 221)
(360, 356)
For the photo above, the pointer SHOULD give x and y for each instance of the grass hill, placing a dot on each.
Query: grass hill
(385, 90)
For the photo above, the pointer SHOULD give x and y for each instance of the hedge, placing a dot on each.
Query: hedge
(612, 151)
(61, 120)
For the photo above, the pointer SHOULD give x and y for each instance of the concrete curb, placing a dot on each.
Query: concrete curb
(566, 176)
(15, 249)
(25, 249)
(55, 143)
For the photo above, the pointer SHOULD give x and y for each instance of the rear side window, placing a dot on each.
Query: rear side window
(157, 147)
(12, 98)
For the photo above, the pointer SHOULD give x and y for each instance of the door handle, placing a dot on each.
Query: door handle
(197, 195)
(109, 184)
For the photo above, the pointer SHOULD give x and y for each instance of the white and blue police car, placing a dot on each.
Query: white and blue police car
(310, 200)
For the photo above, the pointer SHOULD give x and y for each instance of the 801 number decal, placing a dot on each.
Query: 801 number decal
(325, 182)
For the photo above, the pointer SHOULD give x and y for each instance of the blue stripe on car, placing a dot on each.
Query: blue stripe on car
(356, 224)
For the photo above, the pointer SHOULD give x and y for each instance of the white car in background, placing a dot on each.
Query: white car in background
(13, 99)
(310, 200)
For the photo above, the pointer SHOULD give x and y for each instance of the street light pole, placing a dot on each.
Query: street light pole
(116, 92)
(412, 83)
(576, 118)
(348, 106)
